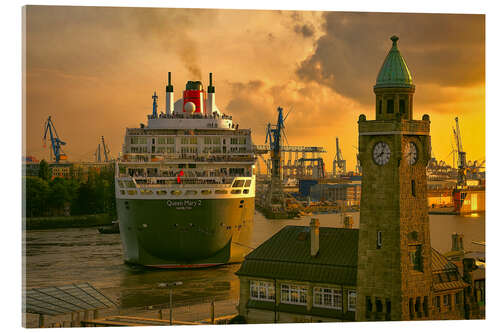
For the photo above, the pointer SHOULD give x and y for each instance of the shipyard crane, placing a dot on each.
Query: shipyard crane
(56, 143)
(339, 164)
(105, 151)
(462, 161)
(275, 196)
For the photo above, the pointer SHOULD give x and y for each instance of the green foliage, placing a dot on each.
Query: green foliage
(36, 194)
(44, 171)
(49, 198)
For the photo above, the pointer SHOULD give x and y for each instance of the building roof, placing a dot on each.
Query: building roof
(286, 255)
(394, 71)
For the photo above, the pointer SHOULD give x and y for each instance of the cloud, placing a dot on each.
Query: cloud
(439, 48)
(306, 30)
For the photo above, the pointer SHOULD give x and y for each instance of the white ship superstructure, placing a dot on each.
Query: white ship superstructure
(185, 163)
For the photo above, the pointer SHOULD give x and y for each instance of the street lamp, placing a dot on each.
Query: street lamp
(170, 285)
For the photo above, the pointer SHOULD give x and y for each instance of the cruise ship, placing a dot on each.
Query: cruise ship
(185, 184)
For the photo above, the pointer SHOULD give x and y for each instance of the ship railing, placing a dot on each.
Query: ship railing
(226, 182)
(210, 157)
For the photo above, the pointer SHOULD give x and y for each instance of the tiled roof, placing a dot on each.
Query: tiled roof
(286, 255)
(440, 263)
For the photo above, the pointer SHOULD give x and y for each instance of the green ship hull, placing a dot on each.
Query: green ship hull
(185, 233)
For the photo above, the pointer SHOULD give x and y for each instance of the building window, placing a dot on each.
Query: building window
(415, 252)
(328, 298)
(402, 106)
(379, 239)
(413, 191)
(437, 302)
(390, 106)
(446, 300)
(262, 291)
(293, 294)
(458, 298)
(426, 306)
(351, 300)
(369, 305)
(380, 106)
(387, 309)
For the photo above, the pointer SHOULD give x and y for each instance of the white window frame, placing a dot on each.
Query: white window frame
(351, 300)
(293, 294)
(264, 291)
(329, 297)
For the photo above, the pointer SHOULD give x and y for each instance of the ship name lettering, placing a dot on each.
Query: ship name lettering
(184, 203)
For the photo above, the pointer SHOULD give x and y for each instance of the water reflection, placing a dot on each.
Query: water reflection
(64, 256)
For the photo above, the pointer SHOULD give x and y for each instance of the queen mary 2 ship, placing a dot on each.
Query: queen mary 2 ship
(185, 184)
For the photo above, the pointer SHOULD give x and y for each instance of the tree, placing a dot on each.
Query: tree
(44, 171)
(59, 195)
(36, 195)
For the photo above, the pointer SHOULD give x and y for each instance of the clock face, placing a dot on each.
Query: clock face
(381, 153)
(411, 153)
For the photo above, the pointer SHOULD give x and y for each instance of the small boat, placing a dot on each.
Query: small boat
(114, 228)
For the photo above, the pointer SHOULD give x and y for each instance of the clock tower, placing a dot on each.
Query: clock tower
(394, 279)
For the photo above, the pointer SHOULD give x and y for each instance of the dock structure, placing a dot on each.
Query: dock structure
(69, 299)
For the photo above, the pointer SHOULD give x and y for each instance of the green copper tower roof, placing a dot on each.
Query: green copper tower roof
(394, 72)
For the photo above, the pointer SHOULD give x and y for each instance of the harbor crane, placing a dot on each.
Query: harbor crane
(462, 160)
(105, 151)
(56, 151)
(339, 164)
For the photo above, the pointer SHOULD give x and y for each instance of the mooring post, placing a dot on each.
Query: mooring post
(212, 312)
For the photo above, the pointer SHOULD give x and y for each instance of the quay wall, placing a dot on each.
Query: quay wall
(80, 221)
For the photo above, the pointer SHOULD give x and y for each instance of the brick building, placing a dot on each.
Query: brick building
(308, 274)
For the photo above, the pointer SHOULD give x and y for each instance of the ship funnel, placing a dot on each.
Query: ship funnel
(211, 108)
(169, 100)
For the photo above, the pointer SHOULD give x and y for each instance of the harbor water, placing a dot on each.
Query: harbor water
(65, 256)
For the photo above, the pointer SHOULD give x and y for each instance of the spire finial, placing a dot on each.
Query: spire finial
(394, 40)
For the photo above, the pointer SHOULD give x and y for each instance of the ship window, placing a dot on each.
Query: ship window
(180, 166)
(248, 182)
(245, 191)
(176, 192)
(121, 184)
(192, 166)
(220, 192)
(191, 192)
(131, 192)
(146, 192)
(161, 192)
(236, 192)
(206, 192)
(238, 183)
(122, 192)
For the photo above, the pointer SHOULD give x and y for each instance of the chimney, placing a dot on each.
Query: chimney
(457, 243)
(210, 97)
(169, 100)
(314, 229)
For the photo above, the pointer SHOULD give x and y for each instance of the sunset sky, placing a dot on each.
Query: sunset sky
(94, 71)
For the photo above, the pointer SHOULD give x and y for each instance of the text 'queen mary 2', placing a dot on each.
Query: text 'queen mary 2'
(185, 184)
